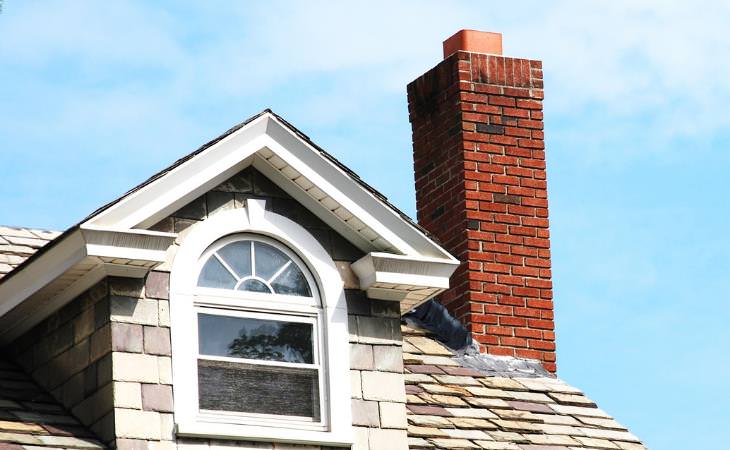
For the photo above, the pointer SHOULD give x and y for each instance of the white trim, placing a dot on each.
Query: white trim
(212, 430)
(404, 279)
(314, 319)
(334, 333)
(293, 259)
(255, 208)
(302, 170)
(77, 262)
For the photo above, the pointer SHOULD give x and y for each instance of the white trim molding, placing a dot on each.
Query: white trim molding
(75, 263)
(297, 167)
(254, 219)
(405, 279)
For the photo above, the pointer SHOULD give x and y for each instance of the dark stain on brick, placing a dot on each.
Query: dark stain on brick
(489, 128)
(507, 198)
(425, 169)
(509, 121)
(437, 212)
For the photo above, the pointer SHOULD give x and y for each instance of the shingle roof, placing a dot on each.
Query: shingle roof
(453, 406)
(18, 244)
(30, 418)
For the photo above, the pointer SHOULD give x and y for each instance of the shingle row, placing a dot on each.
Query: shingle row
(17, 244)
(455, 407)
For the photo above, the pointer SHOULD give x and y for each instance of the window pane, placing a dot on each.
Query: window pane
(238, 387)
(291, 282)
(268, 260)
(238, 256)
(215, 275)
(250, 338)
(254, 286)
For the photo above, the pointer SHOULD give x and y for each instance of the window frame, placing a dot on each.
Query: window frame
(218, 245)
(269, 419)
(331, 317)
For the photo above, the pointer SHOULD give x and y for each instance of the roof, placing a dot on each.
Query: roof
(29, 417)
(18, 244)
(505, 405)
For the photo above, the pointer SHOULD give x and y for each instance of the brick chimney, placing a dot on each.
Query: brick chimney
(479, 163)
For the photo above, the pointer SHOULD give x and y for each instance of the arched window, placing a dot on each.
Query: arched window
(259, 332)
(256, 356)
(254, 264)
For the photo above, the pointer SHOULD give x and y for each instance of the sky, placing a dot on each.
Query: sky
(97, 96)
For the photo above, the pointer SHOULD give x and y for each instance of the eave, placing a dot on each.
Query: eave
(404, 279)
(78, 260)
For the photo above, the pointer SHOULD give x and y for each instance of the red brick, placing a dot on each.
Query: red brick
(513, 321)
(541, 345)
(513, 342)
(501, 331)
(495, 179)
(501, 351)
(530, 354)
(528, 333)
(486, 339)
(542, 324)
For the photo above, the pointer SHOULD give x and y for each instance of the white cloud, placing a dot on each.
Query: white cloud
(659, 62)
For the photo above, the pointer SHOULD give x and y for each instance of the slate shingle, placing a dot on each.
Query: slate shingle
(40, 423)
(18, 244)
(505, 411)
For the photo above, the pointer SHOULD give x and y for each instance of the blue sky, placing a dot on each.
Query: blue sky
(97, 96)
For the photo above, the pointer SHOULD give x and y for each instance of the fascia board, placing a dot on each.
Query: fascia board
(140, 245)
(188, 180)
(330, 179)
(184, 183)
(83, 243)
(365, 202)
(42, 271)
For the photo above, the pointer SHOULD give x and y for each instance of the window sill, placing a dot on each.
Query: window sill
(210, 430)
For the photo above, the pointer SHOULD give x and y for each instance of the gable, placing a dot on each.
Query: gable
(250, 183)
(293, 162)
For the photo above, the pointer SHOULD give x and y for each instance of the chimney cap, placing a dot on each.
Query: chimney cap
(473, 41)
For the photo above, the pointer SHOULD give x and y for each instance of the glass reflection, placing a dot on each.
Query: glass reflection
(250, 338)
(233, 264)
(216, 276)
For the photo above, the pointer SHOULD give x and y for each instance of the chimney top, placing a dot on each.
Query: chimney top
(473, 41)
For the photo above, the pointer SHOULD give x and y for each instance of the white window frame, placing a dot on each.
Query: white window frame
(267, 419)
(331, 329)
